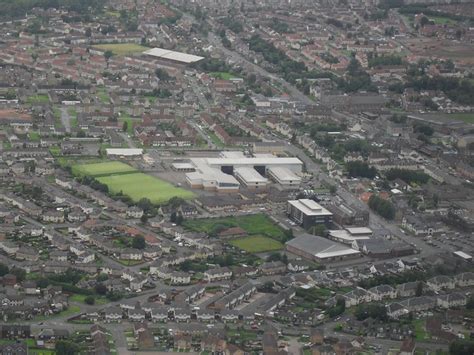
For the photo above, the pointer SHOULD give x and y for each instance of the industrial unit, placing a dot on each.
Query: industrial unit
(308, 213)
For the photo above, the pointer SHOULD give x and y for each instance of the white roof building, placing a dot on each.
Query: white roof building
(174, 56)
(124, 151)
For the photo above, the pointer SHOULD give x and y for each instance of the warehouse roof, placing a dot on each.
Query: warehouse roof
(172, 55)
(320, 247)
(249, 175)
(283, 174)
(310, 207)
(124, 151)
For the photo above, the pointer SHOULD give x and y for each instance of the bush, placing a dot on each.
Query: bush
(89, 300)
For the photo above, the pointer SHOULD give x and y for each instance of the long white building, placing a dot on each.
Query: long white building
(228, 172)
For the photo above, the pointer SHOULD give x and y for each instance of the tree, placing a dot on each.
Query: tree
(382, 207)
(3, 269)
(139, 242)
(162, 74)
(90, 300)
(100, 289)
(108, 54)
(125, 126)
(145, 204)
(419, 289)
(144, 218)
(64, 347)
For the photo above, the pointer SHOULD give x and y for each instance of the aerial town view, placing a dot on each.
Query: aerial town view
(232, 177)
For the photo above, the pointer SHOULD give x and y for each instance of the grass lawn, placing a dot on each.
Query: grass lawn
(38, 99)
(125, 117)
(34, 136)
(130, 262)
(257, 244)
(103, 95)
(420, 331)
(223, 75)
(215, 139)
(440, 20)
(99, 169)
(255, 224)
(466, 117)
(122, 49)
(81, 298)
(139, 185)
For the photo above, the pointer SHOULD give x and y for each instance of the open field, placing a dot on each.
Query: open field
(257, 244)
(38, 99)
(139, 185)
(466, 117)
(256, 224)
(99, 169)
(122, 49)
(223, 75)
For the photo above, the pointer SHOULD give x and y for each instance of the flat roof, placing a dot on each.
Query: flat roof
(124, 151)
(254, 161)
(172, 55)
(359, 230)
(249, 175)
(310, 207)
(346, 236)
(320, 247)
(283, 174)
(183, 166)
(463, 255)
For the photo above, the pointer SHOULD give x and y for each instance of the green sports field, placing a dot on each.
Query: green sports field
(120, 177)
(139, 185)
(122, 49)
(99, 169)
(257, 244)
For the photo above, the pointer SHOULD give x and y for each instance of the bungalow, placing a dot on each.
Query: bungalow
(58, 255)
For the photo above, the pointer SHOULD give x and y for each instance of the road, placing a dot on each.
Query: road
(126, 138)
(65, 118)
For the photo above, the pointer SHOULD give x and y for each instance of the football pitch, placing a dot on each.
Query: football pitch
(257, 244)
(122, 178)
(122, 49)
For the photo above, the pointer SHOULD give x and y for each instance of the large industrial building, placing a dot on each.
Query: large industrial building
(168, 57)
(307, 213)
(233, 169)
(319, 249)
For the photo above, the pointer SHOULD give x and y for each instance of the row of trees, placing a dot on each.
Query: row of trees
(360, 169)
(19, 8)
(409, 176)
